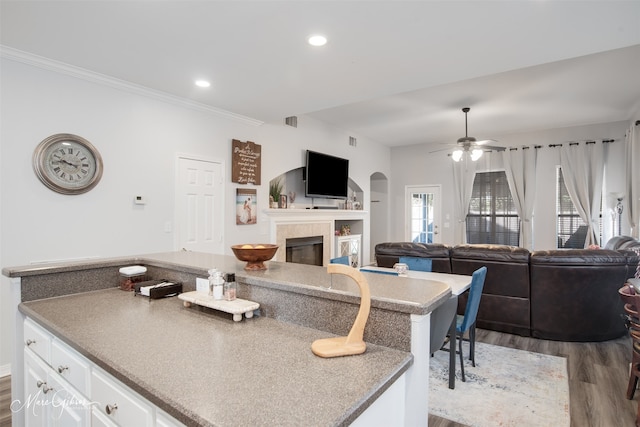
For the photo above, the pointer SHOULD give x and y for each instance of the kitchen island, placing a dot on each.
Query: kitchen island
(204, 369)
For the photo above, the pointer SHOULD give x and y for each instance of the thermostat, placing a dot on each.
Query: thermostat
(139, 200)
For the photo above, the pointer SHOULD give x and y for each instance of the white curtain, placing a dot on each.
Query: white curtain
(632, 179)
(520, 169)
(582, 170)
(464, 173)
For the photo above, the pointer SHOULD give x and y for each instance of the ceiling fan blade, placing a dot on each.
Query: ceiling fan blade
(450, 148)
(486, 141)
(493, 147)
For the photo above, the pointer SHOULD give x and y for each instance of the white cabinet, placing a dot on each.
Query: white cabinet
(99, 419)
(63, 388)
(37, 340)
(36, 390)
(351, 246)
(119, 404)
(49, 399)
(68, 407)
(70, 365)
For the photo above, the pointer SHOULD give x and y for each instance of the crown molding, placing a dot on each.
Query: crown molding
(102, 79)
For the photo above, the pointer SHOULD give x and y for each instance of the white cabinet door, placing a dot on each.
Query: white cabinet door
(68, 408)
(98, 419)
(37, 392)
(351, 246)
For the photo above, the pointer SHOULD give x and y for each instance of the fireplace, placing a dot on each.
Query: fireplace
(305, 250)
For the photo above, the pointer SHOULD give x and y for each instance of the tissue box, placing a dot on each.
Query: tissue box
(155, 289)
(131, 275)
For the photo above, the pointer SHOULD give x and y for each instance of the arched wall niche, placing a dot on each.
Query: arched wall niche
(293, 187)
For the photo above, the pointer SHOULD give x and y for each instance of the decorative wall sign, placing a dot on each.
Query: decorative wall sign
(246, 206)
(245, 162)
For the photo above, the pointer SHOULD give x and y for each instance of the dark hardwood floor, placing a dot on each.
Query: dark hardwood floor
(598, 375)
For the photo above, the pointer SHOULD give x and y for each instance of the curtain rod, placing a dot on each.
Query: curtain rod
(604, 141)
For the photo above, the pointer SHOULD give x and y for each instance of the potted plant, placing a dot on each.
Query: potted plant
(275, 189)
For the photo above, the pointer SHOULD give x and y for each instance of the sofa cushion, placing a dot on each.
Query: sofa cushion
(389, 253)
(505, 299)
(507, 267)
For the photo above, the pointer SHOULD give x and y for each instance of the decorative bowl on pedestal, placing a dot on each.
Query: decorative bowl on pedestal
(255, 254)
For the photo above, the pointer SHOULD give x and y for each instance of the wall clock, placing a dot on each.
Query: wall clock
(67, 164)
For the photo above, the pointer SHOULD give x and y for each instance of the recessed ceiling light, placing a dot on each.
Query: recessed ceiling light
(317, 40)
(202, 83)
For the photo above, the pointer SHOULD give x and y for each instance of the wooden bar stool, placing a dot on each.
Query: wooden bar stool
(632, 320)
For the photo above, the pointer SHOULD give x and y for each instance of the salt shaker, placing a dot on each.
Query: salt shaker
(217, 285)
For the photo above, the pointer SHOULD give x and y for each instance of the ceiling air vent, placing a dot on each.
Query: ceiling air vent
(352, 141)
(291, 121)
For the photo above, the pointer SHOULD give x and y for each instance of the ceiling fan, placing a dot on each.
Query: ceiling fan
(472, 146)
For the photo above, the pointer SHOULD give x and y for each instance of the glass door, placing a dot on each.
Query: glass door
(423, 214)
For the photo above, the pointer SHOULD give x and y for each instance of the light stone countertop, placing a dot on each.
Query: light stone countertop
(204, 369)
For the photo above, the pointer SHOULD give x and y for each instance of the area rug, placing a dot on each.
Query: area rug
(506, 388)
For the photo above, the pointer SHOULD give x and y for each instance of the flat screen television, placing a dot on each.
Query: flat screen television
(326, 176)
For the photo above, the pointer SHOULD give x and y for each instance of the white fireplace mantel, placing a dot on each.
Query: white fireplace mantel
(293, 223)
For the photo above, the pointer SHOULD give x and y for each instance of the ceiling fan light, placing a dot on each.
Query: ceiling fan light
(476, 154)
(456, 155)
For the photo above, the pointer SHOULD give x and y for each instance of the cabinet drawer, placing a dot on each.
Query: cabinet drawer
(71, 366)
(37, 340)
(119, 404)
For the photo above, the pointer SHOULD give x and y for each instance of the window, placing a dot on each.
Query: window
(492, 216)
(570, 228)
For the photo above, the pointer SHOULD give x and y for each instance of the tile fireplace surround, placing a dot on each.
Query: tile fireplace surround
(294, 223)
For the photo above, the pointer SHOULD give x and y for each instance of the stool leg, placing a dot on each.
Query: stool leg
(633, 382)
(461, 359)
(472, 345)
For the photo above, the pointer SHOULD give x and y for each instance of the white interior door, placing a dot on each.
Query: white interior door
(199, 205)
(422, 223)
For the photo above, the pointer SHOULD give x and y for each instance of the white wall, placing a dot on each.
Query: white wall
(414, 165)
(138, 138)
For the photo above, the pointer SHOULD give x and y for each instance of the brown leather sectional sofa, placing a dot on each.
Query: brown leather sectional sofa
(564, 295)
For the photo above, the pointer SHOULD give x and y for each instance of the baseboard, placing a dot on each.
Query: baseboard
(5, 370)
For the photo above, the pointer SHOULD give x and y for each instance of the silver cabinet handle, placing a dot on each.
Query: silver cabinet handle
(61, 369)
(110, 409)
(43, 385)
(30, 341)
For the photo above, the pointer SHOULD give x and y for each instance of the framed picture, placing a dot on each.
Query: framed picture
(283, 202)
(246, 206)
